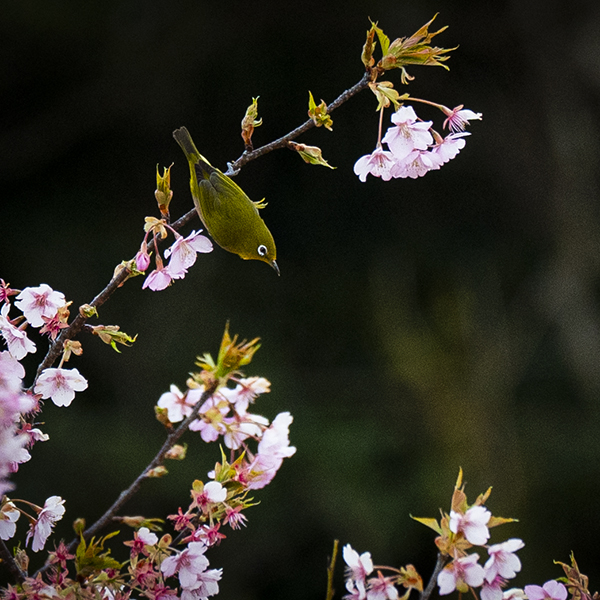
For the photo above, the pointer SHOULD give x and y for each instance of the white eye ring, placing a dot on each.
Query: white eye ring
(262, 250)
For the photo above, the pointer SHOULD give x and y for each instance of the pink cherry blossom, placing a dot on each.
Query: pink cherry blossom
(448, 148)
(551, 590)
(206, 585)
(212, 411)
(355, 591)
(6, 292)
(52, 512)
(472, 524)
(9, 515)
(246, 391)
(234, 517)
(189, 564)
(239, 429)
(381, 588)
(142, 538)
(12, 453)
(38, 302)
(158, 280)
(459, 574)
(272, 449)
(16, 339)
(275, 440)
(176, 403)
(409, 133)
(416, 164)
(60, 385)
(459, 117)
(146, 536)
(503, 562)
(358, 567)
(184, 251)
(208, 534)
(11, 371)
(214, 492)
(492, 590)
(378, 163)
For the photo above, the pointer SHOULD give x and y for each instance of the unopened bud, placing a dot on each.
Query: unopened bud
(134, 522)
(111, 335)
(79, 526)
(142, 258)
(159, 471)
(310, 154)
(249, 122)
(162, 416)
(87, 311)
(176, 452)
(163, 193)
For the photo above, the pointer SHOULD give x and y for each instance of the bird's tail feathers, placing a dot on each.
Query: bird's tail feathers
(184, 139)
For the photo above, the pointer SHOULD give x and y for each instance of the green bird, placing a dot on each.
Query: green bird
(229, 216)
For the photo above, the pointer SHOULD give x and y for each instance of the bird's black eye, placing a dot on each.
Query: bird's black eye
(262, 250)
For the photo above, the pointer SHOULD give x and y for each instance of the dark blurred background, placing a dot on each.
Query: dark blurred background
(417, 326)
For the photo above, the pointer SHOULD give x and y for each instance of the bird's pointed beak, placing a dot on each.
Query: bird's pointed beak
(274, 265)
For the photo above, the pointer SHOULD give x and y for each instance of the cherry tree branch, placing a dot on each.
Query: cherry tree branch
(283, 141)
(158, 460)
(119, 278)
(6, 556)
(439, 565)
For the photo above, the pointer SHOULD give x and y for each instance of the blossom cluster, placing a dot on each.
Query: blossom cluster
(152, 566)
(379, 587)
(503, 564)
(44, 308)
(181, 254)
(464, 570)
(415, 148)
(464, 527)
(40, 526)
(224, 414)
(15, 436)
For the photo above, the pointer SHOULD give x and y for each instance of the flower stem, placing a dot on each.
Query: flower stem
(380, 127)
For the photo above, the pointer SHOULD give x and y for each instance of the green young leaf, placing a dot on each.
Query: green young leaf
(429, 522)
(90, 559)
(495, 521)
(319, 114)
(384, 40)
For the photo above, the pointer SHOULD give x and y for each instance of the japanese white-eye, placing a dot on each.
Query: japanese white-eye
(229, 216)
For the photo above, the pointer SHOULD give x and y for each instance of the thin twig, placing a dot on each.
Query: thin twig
(331, 570)
(439, 565)
(79, 321)
(127, 494)
(76, 326)
(11, 563)
(282, 142)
